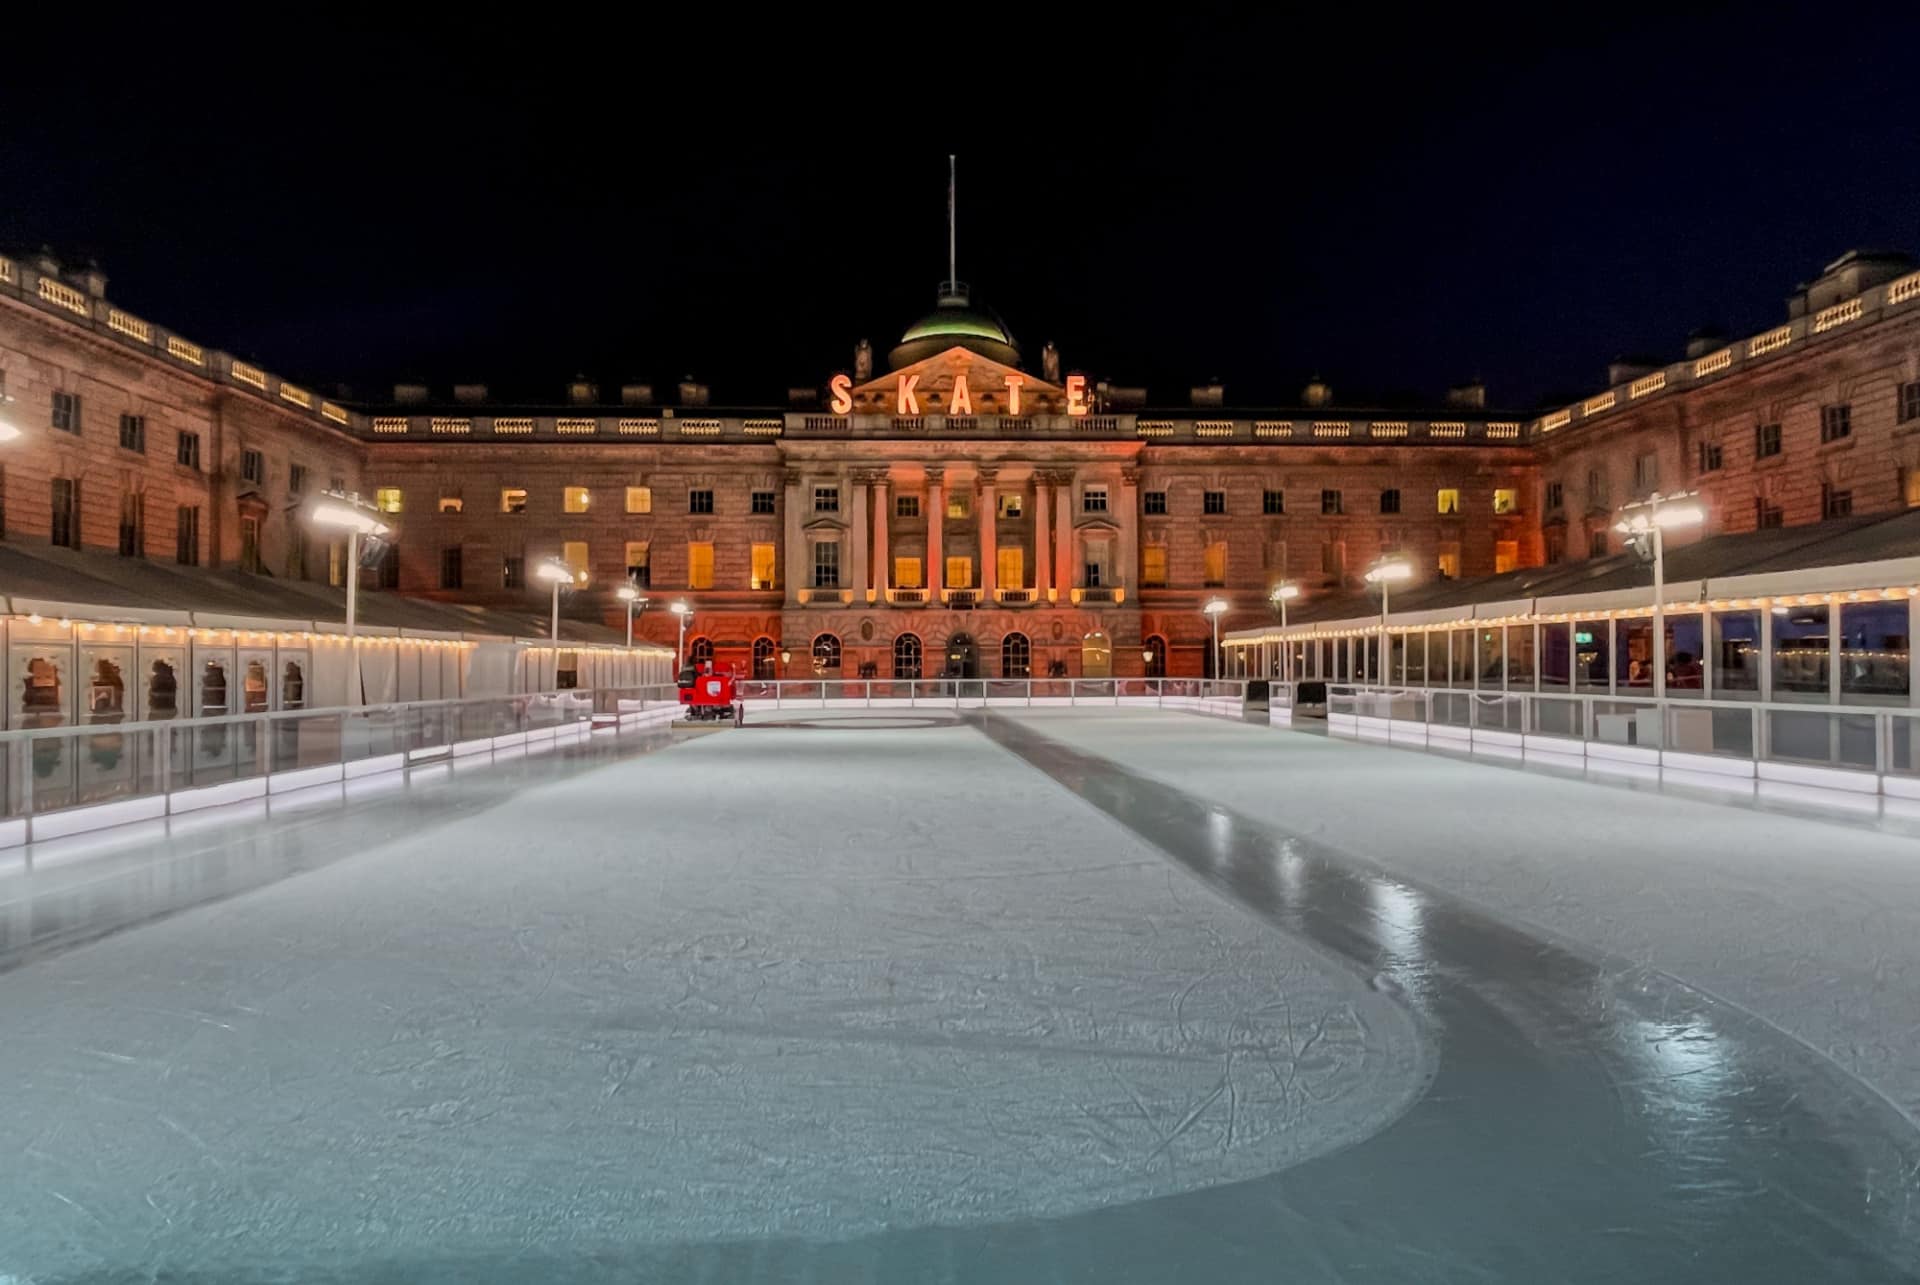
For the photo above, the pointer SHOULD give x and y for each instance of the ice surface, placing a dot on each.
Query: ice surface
(1812, 925)
(771, 981)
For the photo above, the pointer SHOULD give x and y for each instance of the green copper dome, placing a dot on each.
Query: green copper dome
(955, 324)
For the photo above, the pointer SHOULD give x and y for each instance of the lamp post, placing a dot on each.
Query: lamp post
(682, 610)
(1283, 593)
(786, 658)
(344, 511)
(1387, 571)
(555, 573)
(634, 599)
(1649, 518)
(1216, 608)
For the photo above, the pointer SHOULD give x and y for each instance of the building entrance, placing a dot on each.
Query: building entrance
(963, 658)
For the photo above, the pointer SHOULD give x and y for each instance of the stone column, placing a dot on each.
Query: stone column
(857, 512)
(1042, 537)
(1129, 576)
(987, 516)
(882, 511)
(1066, 573)
(796, 550)
(936, 550)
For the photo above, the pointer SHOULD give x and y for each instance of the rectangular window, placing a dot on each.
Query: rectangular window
(959, 504)
(574, 554)
(66, 513)
(186, 535)
(762, 505)
(1506, 556)
(826, 564)
(1836, 422)
(1556, 495)
(1273, 503)
(640, 499)
(1329, 501)
(133, 433)
(1213, 502)
(253, 468)
(296, 479)
(1449, 499)
(1012, 569)
(1767, 515)
(959, 572)
(575, 499)
(1154, 502)
(1012, 506)
(133, 525)
(186, 449)
(388, 574)
(1646, 472)
(1215, 570)
(700, 565)
(1711, 457)
(1390, 500)
(1153, 566)
(699, 501)
(906, 573)
(906, 506)
(513, 499)
(1910, 401)
(1874, 650)
(1766, 440)
(826, 499)
(388, 499)
(1597, 544)
(250, 545)
(638, 570)
(452, 502)
(1802, 653)
(1910, 487)
(763, 566)
(1506, 500)
(513, 571)
(1448, 561)
(1556, 541)
(66, 412)
(1093, 499)
(1835, 503)
(450, 568)
(1333, 559)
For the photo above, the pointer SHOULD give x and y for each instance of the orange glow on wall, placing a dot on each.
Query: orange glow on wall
(1076, 395)
(1013, 393)
(962, 400)
(905, 403)
(841, 386)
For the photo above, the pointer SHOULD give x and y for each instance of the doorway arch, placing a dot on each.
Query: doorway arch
(1016, 656)
(764, 666)
(1156, 656)
(1096, 656)
(963, 658)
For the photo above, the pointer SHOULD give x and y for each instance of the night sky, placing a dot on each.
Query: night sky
(1397, 207)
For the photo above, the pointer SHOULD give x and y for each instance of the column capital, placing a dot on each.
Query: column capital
(790, 477)
(867, 476)
(989, 475)
(936, 474)
(1129, 477)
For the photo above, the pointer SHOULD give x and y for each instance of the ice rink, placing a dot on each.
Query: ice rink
(1055, 995)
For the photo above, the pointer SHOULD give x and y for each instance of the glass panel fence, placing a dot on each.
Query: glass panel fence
(1823, 737)
(1710, 730)
(1626, 722)
(1558, 716)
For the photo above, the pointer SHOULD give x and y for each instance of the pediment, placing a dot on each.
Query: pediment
(1097, 522)
(825, 522)
(933, 380)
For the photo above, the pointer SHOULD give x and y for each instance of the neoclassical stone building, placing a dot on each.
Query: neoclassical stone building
(953, 508)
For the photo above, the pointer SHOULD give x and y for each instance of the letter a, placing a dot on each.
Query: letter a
(962, 401)
(842, 389)
(1013, 393)
(905, 403)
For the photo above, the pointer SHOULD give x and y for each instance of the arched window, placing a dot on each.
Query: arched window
(163, 692)
(826, 654)
(1016, 657)
(764, 663)
(106, 693)
(213, 689)
(1156, 656)
(1096, 656)
(906, 656)
(700, 651)
(253, 688)
(293, 687)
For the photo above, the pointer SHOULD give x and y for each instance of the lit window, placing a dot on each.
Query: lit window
(959, 504)
(574, 500)
(1506, 500)
(452, 503)
(513, 499)
(1449, 500)
(638, 571)
(959, 573)
(1012, 567)
(1448, 562)
(1093, 499)
(906, 573)
(639, 499)
(700, 565)
(1910, 487)
(574, 554)
(1010, 506)
(1506, 556)
(763, 563)
(1153, 566)
(387, 499)
(1216, 564)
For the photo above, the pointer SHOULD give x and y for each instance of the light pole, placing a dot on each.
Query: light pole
(344, 511)
(682, 610)
(1649, 518)
(555, 573)
(634, 600)
(1389, 570)
(1216, 608)
(1283, 593)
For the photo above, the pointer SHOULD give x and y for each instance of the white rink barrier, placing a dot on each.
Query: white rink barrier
(1224, 699)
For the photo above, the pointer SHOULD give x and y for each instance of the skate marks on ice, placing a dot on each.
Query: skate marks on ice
(826, 989)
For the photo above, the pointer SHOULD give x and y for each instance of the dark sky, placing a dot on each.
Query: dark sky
(1398, 206)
